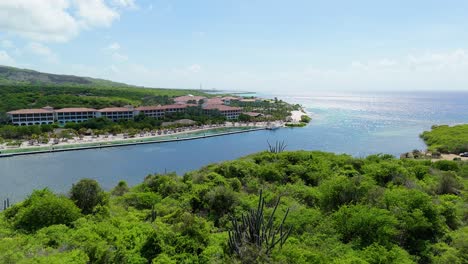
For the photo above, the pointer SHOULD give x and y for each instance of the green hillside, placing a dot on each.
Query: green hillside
(447, 139)
(30, 89)
(339, 209)
(16, 76)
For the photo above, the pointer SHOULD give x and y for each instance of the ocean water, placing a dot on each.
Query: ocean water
(357, 124)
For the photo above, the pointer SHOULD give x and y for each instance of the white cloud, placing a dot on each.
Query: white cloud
(56, 20)
(38, 19)
(95, 13)
(114, 46)
(39, 49)
(194, 68)
(114, 50)
(5, 59)
(119, 57)
(428, 61)
(114, 69)
(7, 44)
(43, 51)
(386, 63)
(125, 3)
(457, 59)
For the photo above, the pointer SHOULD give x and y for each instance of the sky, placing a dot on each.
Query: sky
(294, 46)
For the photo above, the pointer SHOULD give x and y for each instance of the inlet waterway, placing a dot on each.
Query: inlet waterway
(357, 124)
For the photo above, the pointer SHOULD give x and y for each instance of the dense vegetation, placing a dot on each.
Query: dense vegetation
(36, 96)
(271, 109)
(340, 209)
(22, 88)
(447, 139)
(15, 76)
(305, 119)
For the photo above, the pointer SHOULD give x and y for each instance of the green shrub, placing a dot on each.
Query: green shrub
(42, 209)
(365, 225)
(87, 194)
(305, 118)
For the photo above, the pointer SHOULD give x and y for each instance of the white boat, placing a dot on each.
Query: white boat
(272, 127)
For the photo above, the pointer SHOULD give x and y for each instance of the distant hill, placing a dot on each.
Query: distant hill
(16, 76)
(22, 88)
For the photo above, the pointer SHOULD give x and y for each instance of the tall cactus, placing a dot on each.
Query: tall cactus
(6, 204)
(278, 147)
(153, 214)
(254, 231)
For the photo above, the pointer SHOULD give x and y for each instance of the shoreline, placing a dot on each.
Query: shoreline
(130, 142)
(92, 142)
(297, 114)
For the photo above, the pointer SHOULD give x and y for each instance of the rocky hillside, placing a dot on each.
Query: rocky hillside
(12, 76)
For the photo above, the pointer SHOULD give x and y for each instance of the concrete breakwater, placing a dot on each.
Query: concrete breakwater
(111, 144)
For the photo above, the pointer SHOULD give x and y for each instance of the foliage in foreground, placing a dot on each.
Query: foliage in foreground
(341, 210)
(447, 139)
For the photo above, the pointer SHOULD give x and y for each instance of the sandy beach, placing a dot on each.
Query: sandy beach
(296, 116)
(450, 157)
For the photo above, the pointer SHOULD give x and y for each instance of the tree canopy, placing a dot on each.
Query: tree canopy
(340, 209)
(447, 139)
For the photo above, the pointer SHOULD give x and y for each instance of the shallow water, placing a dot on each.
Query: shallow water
(355, 124)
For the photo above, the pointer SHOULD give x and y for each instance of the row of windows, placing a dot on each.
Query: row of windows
(69, 114)
(71, 118)
(32, 115)
(32, 119)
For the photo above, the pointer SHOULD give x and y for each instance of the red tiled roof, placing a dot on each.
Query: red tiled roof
(214, 101)
(164, 107)
(253, 114)
(76, 109)
(149, 108)
(30, 111)
(221, 108)
(188, 98)
(178, 106)
(230, 98)
(115, 109)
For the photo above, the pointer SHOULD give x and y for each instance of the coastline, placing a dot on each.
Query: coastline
(185, 133)
(296, 115)
(180, 136)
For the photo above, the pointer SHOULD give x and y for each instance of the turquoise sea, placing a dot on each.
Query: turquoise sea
(357, 124)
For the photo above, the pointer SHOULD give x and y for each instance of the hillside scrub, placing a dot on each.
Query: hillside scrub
(447, 139)
(339, 209)
(14, 97)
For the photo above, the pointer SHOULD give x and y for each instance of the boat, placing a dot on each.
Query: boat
(273, 127)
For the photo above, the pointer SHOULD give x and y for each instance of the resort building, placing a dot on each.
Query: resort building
(47, 115)
(151, 111)
(228, 99)
(228, 111)
(175, 108)
(75, 115)
(213, 101)
(188, 99)
(116, 113)
(28, 117)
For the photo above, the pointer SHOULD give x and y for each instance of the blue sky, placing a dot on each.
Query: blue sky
(268, 46)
